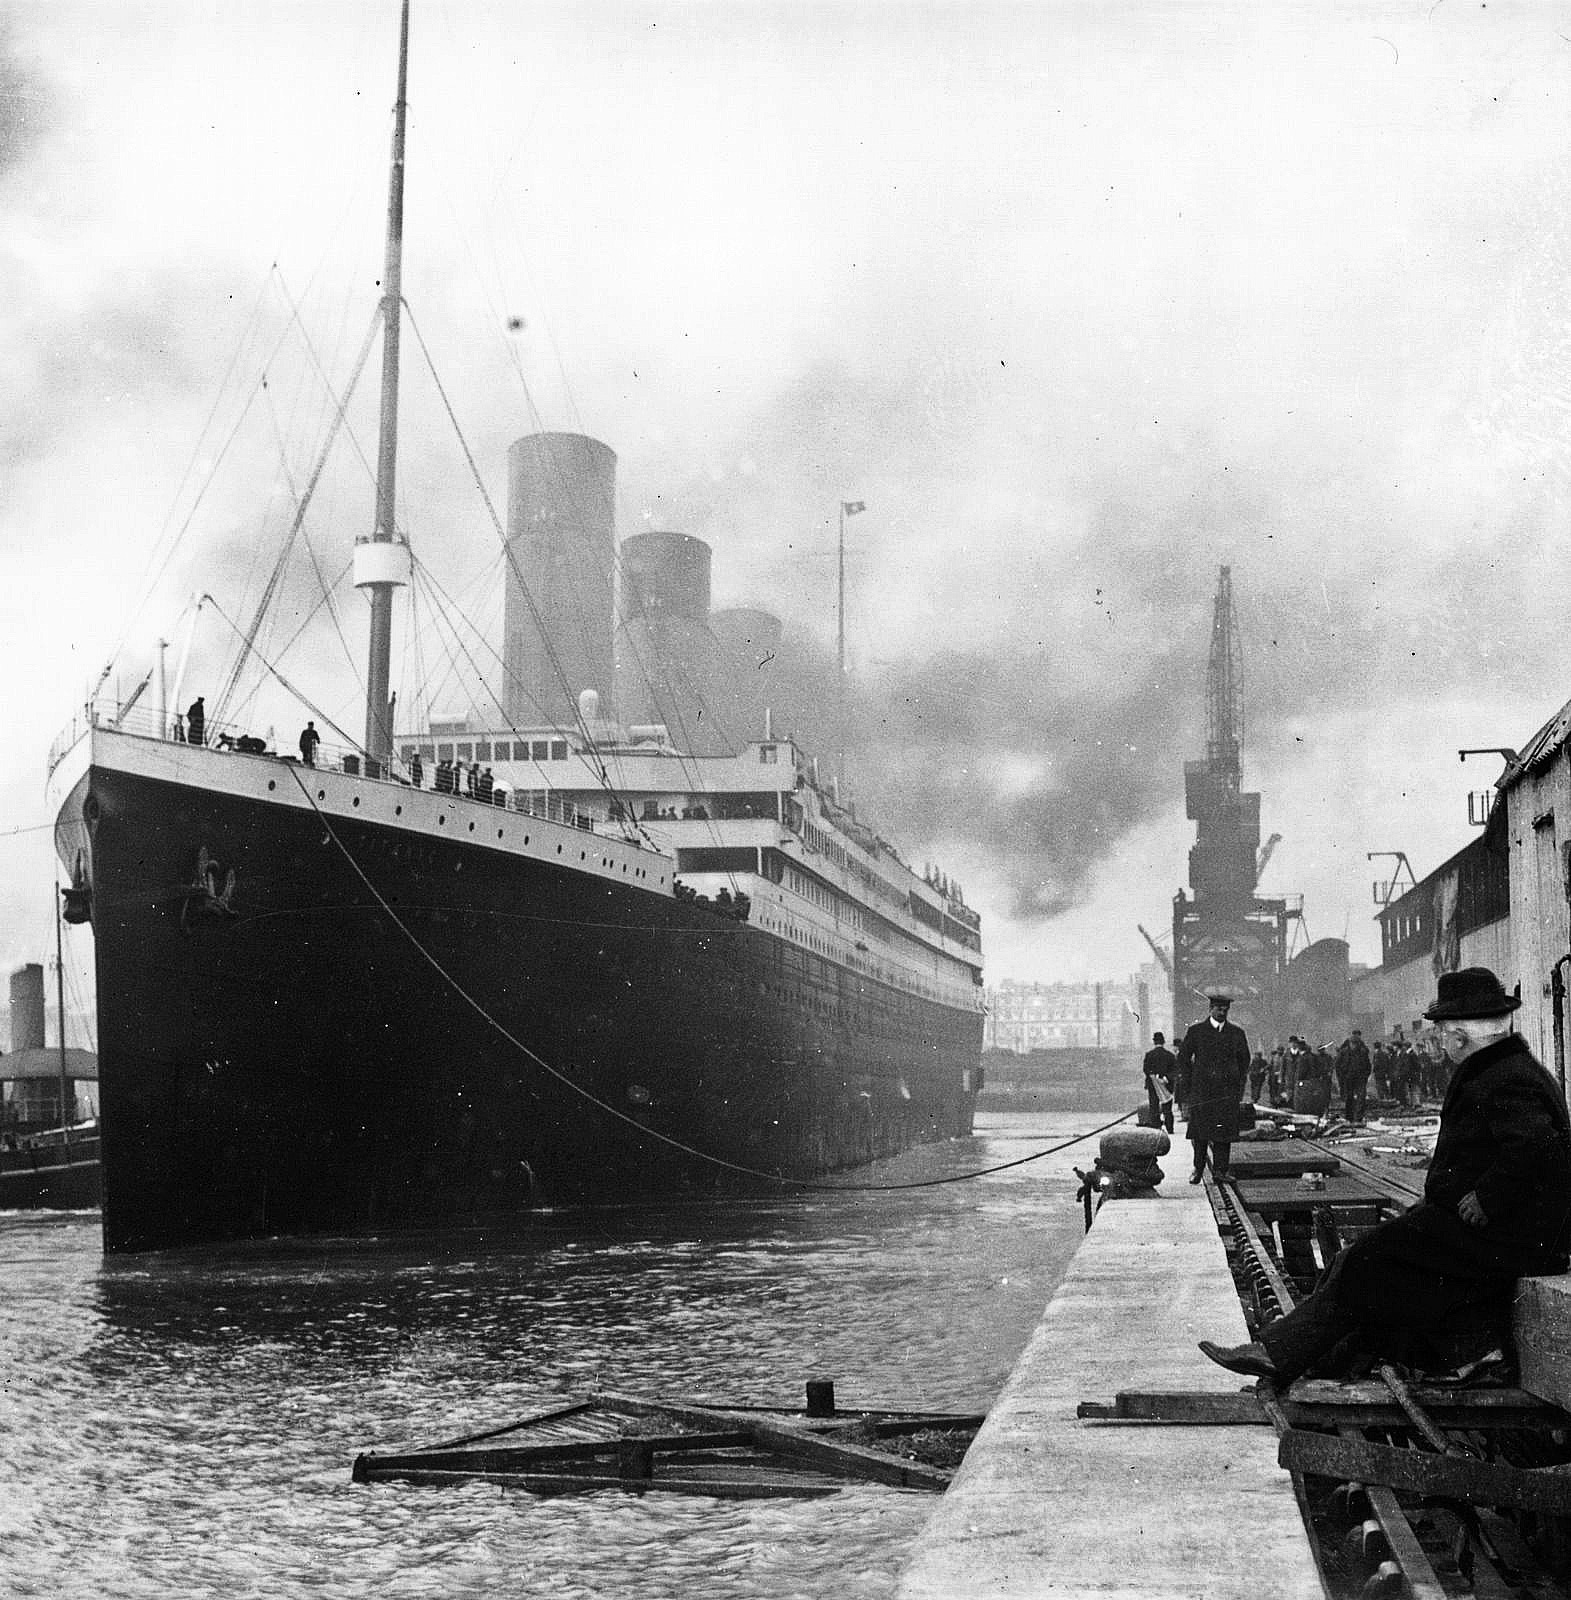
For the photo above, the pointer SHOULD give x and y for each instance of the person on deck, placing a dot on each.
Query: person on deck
(196, 721)
(309, 740)
(1432, 1288)
(1158, 1071)
(1213, 1062)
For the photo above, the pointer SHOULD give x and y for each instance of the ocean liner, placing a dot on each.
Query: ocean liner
(543, 957)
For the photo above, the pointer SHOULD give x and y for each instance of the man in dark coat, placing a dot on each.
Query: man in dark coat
(1158, 1070)
(1213, 1062)
(1353, 1067)
(1432, 1288)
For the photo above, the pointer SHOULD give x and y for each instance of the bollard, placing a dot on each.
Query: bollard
(1386, 1580)
(1349, 1504)
(820, 1397)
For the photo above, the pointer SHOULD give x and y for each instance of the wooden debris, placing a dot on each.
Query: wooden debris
(627, 1442)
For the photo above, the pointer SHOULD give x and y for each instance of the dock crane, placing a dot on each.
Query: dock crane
(1267, 850)
(1163, 960)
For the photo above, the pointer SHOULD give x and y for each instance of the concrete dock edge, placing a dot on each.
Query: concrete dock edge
(1048, 1505)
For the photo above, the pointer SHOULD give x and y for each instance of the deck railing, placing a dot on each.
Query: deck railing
(145, 722)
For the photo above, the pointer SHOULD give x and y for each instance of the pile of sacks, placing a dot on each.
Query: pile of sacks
(1126, 1165)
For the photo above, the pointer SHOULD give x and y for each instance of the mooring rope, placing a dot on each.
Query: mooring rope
(632, 1122)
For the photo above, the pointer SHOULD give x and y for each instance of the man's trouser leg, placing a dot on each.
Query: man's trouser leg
(1312, 1329)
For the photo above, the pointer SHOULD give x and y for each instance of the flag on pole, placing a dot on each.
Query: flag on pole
(851, 507)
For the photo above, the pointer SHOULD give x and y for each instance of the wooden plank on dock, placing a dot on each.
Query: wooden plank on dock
(1485, 1483)
(1541, 1326)
(1281, 1158)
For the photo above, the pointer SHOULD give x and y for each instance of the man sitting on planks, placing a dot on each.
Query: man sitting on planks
(1432, 1288)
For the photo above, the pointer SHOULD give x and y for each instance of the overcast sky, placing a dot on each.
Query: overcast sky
(1082, 300)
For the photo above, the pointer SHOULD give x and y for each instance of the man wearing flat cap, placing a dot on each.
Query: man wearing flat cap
(1432, 1288)
(1213, 1065)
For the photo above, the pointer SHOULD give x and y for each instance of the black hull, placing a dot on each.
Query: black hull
(309, 1058)
(48, 1174)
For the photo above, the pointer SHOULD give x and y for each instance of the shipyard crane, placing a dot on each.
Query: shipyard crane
(1225, 685)
(1267, 850)
(1163, 960)
(1225, 934)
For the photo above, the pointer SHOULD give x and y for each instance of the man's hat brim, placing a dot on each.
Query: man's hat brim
(1463, 1011)
(1474, 992)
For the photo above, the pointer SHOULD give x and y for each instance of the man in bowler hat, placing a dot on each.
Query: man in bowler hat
(1157, 1069)
(1432, 1288)
(1213, 1062)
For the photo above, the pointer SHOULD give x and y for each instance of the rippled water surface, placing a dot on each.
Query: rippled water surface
(184, 1424)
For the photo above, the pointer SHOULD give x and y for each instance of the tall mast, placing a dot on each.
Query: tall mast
(382, 561)
(67, 1103)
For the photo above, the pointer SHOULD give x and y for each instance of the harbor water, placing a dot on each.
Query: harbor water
(184, 1423)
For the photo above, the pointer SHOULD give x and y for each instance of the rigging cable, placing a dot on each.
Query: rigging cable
(621, 1116)
(248, 638)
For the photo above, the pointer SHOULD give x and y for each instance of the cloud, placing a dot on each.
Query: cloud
(26, 108)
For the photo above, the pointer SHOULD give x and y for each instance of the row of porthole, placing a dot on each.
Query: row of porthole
(441, 822)
(920, 989)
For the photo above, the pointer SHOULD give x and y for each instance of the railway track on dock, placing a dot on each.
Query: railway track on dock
(1405, 1488)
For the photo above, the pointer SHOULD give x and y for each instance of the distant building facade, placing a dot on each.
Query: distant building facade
(1057, 1016)
(1460, 915)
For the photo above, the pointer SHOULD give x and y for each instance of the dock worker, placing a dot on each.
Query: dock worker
(1353, 1066)
(1433, 1287)
(1259, 1071)
(1157, 1069)
(1213, 1062)
(309, 740)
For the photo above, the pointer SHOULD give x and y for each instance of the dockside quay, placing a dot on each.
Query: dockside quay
(1119, 1461)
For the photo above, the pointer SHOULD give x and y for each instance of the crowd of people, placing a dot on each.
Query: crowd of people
(1299, 1076)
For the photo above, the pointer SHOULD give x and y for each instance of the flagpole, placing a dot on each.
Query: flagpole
(847, 508)
(840, 681)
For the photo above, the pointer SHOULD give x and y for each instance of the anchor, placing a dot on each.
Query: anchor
(202, 900)
(76, 902)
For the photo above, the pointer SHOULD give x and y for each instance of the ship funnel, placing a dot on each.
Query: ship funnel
(561, 545)
(665, 651)
(27, 1007)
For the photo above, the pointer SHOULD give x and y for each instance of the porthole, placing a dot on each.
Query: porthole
(471, 827)
(272, 783)
(526, 838)
(398, 811)
(559, 849)
(321, 794)
(357, 800)
(499, 833)
(441, 822)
